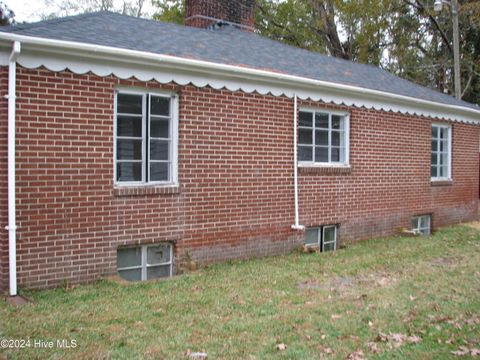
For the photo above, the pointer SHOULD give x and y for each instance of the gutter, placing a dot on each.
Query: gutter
(297, 225)
(135, 56)
(12, 226)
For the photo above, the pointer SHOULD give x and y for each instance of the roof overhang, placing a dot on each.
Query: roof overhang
(81, 58)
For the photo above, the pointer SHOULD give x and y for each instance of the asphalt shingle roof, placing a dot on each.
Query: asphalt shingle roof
(225, 45)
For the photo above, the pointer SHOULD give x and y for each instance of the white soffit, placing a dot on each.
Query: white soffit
(123, 63)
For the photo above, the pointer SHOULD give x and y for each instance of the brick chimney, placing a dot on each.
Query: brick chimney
(206, 13)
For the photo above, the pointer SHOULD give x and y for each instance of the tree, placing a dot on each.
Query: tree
(72, 7)
(7, 16)
(170, 10)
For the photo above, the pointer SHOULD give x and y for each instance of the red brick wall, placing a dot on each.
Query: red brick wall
(236, 178)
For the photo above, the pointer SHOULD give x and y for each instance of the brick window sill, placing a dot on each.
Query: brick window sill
(441, 182)
(318, 169)
(146, 190)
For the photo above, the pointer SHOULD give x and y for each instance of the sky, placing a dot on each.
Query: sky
(30, 10)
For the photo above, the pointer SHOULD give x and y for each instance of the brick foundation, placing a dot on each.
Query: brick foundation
(235, 197)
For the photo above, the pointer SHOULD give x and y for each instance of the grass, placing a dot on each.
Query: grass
(318, 305)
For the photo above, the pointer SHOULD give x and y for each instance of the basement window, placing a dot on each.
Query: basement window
(421, 225)
(145, 262)
(325, 237)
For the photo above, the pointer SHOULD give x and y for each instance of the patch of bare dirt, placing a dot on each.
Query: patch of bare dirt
(343, 283)
(447, 261)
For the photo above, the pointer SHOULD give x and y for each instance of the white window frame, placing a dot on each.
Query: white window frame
(448, 127)
(346, 121)
(418, 228)
(173, 145)
(334, 241)
(320, 230)
(144, 263)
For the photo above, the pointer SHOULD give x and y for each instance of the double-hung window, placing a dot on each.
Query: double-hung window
(441, 152)
(323, 138)
(146, 138)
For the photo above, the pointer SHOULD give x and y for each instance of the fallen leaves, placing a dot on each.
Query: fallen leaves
(357, 355)
(396, 340)
(464, 351)
(373, 347)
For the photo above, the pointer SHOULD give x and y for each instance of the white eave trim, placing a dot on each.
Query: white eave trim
(80, 58)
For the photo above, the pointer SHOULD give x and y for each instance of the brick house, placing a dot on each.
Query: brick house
(140, 144)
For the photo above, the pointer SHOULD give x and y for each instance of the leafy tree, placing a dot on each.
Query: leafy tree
(72, 7)
(170, 10)
(7, 16)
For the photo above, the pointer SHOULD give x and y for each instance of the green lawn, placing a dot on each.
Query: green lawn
(403, 298)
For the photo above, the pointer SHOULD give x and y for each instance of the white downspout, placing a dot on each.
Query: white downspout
(12, 226)
(295, 226)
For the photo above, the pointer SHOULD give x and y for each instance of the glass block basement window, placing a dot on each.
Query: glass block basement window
(145, 262)
(324, 237)
(421, 225)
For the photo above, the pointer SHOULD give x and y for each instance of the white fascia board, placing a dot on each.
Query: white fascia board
(80, 58)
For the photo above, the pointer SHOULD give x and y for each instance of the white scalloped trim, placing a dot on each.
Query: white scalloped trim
(163, 72)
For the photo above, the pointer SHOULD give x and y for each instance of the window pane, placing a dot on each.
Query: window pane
(444, 159)
(305, 153)
(321, 120)
(443, 171)
(158, 272)
(311, 236)
(414, 223)
(129, 257)
(342, 155)
(129, 171)
(329, 247)
(337, 122)
(129, 104)
(434, 145)
(305, 119)
(321, 137)
(159, 171)
(158, 254)
(159, 149)
(305, 136)
(424, 221)
(159, 128)
(129, 149)
(434, 132)
(131, 275)
(336, 138)
(129, 126)
(328, 234)
(335, 154)
(442, 133)
(434, 159)
(433, 172)
(321, 154)
(160, 105)
(443, 145)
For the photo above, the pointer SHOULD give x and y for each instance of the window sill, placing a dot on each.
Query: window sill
(324, 169)
(140, 190)
(441, 182)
